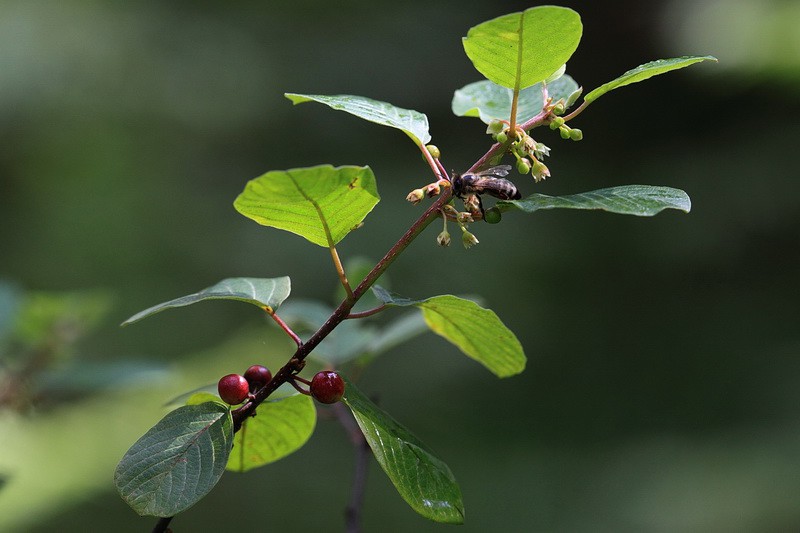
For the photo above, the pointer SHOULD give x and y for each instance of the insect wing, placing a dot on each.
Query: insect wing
(499, 171)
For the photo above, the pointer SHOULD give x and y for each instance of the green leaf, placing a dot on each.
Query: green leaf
(476, 331)
(423, 480)
(196, 398)
(489, 101)
(178, 461)
(643, 72)
(261, 292)
(639, 200)
(412, 123)
(521, 49)
(279, 428)
(322, 203)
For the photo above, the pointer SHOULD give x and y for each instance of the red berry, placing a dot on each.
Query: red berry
(233, 389)
(327, 387)
(257, 376)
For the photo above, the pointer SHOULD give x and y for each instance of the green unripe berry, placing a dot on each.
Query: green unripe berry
(502, 137)
(559, 109)
(492, 215)
(556, 123)
(434, 151)
(523, 166)
(564, 131)
(575, 134)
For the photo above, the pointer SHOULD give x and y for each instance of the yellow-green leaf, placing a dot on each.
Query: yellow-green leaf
(521, 49)
(279, 428)
(322, 203)
(476, 331)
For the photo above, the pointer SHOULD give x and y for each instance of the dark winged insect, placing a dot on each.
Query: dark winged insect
(490, 181)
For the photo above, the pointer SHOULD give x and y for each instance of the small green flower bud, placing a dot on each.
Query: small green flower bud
(559, 109)
(495, 127)
(492, 215)
(415, 196)
(434, 151)
(556, 123)
(468, 239)
(523, 166)
(564, 132)
(575, 134)
(502, 137)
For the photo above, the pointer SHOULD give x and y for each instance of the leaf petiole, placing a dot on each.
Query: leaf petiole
(285, 327)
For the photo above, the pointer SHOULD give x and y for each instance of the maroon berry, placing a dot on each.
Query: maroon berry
(327, 387)
(233, 389)
(257, 376)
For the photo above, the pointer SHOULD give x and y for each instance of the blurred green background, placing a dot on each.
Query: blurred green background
(663, 386)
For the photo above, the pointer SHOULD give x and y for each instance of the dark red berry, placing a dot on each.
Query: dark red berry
(257, 376)
(233, 389)
(327, 387)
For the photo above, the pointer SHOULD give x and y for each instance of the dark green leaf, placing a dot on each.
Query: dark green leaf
(261, 292)
(322, 203)
(178, 461)
(521, 49)
(489, 101)
(279, 428)
(476, 331)
(639, 200)
(423, 480)
(412, 123)
(643, 72)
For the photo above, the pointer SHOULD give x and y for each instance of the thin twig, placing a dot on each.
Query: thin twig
(337, 263)
(362, 452)
(369, 312)
(285, 327)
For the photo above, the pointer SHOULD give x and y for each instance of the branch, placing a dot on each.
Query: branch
(297, 362)
(362, 451)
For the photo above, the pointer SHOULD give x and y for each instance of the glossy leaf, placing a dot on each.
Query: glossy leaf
(476, 331)
(177, 462)
(643, 72)
(423, 480)
(322, 203)
(279, 428)
(639, 200)
(489, 101)
(412, 123)
(261, 292)
(521, 49)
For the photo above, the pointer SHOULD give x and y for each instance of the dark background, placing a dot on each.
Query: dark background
(661, 392)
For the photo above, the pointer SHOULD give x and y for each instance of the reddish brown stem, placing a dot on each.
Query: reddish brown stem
(285, 327)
